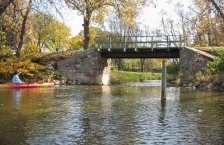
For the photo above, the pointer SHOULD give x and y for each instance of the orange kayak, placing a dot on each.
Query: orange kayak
(31, 85)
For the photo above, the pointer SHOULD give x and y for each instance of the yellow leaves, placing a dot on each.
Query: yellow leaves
(77, 38)
(4, 49)
(29, 51)
(30, 75)
(6, 67)
(100, 14)
(130, 11)
(126, 10)
(76, 42)
(26, 67)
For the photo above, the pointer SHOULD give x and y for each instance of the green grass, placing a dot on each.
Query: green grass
(121, 77)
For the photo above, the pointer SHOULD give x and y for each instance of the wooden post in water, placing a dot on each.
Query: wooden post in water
(163, 90)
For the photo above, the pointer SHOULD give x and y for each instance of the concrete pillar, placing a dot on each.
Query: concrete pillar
(163, 88)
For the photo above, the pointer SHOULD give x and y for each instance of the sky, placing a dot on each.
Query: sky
(150, 16)
(72, 20)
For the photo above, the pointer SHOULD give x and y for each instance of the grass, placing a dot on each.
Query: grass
(121, 77)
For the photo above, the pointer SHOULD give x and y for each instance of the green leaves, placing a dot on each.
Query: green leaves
(217, 66)
(54, 36)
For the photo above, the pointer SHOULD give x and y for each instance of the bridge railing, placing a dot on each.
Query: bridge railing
(139, 42)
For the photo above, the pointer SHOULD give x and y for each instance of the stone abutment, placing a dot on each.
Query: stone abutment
(86, 68)
(192, 61)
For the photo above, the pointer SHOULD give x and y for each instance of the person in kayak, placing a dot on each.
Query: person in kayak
(16, 79)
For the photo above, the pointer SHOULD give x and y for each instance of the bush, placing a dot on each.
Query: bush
(203, 77)
(173, 68)
(217, 66)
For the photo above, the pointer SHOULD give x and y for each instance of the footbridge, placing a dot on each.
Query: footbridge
(141, 46)
(93, 66)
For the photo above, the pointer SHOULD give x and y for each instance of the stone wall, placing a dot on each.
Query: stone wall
(192, 61)
(86, 68)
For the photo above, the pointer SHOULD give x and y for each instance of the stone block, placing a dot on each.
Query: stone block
(86, 68)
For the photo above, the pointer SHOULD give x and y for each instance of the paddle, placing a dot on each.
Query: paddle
(39, 82)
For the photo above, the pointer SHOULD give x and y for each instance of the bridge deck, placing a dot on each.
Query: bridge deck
(140, 53)
(141, 46)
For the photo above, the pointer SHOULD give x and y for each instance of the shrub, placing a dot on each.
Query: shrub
(217, 66)
(173, 68)
(203, 77)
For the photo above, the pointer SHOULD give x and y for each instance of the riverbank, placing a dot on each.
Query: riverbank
(122, 77)
(200, 85)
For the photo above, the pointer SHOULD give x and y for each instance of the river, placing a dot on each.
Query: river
(109, 115)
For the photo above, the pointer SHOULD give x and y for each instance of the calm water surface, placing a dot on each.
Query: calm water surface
(109, 115)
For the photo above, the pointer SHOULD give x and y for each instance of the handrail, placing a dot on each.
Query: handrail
(136, 42)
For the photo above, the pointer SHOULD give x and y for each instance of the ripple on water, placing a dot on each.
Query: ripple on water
(115, 115)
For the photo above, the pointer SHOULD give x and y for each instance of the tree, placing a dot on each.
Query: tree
(55, 36)
(10, 27)
(96, 10)
(76, 43)
(94, 32)
(42, 21)
(4, 4)
(204, 22)
(16, 25)
(217, 7)
(23, 28)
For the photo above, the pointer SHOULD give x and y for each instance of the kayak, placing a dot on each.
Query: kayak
(29, 85)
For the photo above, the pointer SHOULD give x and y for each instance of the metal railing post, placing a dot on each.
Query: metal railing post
(180, 41)
(124, 44)
(152, 43)
(109, 44)
(98, 44)
(167, 41)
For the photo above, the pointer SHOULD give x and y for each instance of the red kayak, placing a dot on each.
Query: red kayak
(31, 85)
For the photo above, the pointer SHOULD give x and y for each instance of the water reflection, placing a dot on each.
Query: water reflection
(112, 115)
(162, 113)
(106, 100)
(152, 83)
(16, 93)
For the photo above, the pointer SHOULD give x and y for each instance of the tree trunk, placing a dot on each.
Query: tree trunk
(142, 64)
(119, 64)
(23, 29)
(218, 9)
(86, 33)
